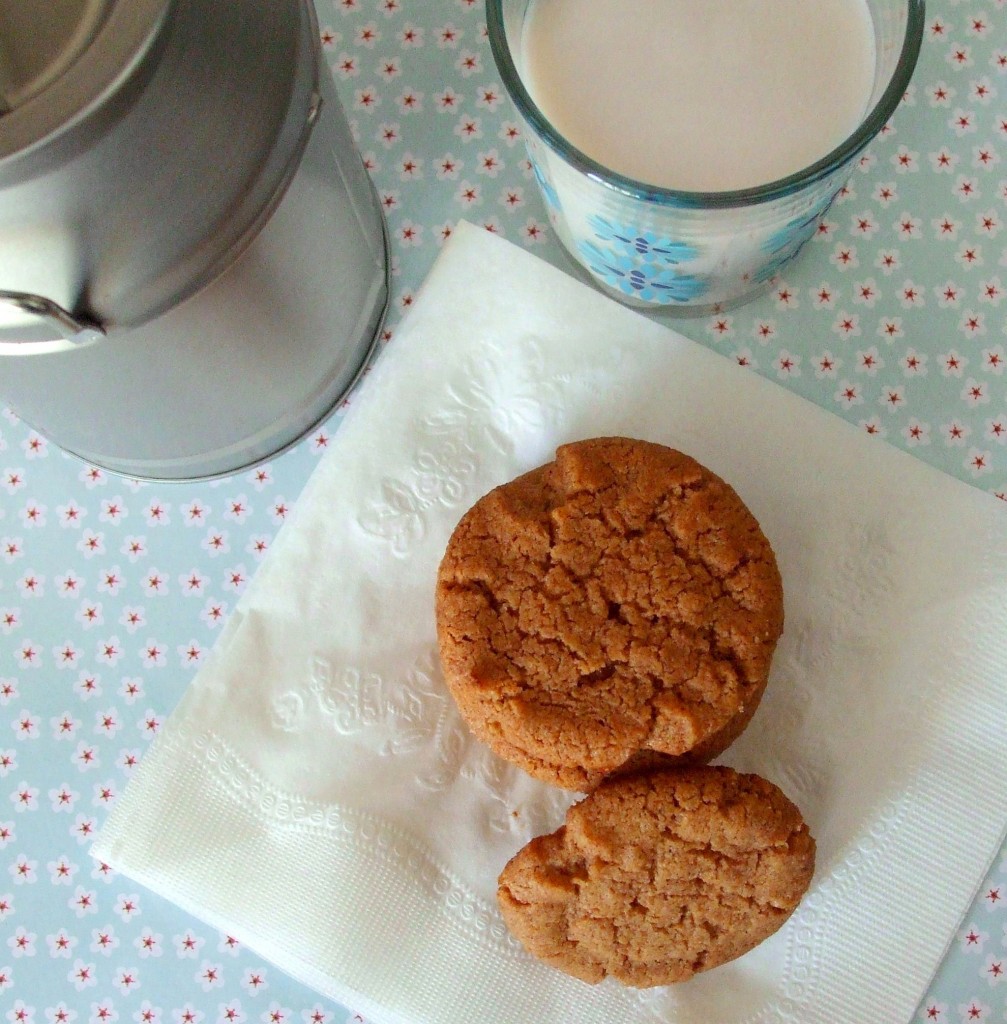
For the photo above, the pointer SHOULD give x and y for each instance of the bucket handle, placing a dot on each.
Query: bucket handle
(74, 332)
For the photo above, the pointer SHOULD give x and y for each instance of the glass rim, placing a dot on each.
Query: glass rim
(868, 128)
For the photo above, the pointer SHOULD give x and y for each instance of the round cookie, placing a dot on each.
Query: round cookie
(619, 599)
(660, 875)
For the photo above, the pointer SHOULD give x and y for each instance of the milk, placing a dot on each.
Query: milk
(703, 95)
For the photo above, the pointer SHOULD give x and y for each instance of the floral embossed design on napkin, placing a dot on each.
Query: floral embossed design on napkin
(314, 784)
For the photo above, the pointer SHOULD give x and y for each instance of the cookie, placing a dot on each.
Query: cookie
(657, 876)
(619, 599)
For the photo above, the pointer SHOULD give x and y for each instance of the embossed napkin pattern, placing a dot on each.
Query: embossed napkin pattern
(316, 795)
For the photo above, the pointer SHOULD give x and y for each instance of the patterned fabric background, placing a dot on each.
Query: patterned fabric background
(112, 592)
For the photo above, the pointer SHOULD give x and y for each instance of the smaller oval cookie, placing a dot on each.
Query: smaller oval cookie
(657, 876)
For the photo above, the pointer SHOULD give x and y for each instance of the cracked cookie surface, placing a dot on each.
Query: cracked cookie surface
(657, 876)
(620, 599)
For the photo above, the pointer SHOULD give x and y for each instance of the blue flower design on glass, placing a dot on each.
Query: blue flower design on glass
(642, 243)
(550, 194)
(780, 259)
(639, 279)
(792, 231)
(784, 245)
(641, 264)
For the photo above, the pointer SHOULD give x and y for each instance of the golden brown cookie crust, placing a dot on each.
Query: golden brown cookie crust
(660, 875)
(621, 598)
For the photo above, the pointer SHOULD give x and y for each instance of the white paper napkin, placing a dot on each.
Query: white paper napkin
(316, 795)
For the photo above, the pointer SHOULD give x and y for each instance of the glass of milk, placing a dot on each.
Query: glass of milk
(687, 149)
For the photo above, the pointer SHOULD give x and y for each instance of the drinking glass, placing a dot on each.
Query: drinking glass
(689, 253)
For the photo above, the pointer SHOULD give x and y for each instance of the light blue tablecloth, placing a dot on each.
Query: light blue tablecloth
(112, 593)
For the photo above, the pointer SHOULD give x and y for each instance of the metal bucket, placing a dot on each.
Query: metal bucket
(193, 261)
